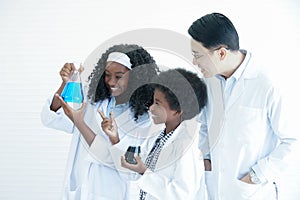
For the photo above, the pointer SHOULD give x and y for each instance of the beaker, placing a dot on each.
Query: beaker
(129, 155)
(72, 92)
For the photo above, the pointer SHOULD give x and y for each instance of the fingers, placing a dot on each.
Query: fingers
(68, 68)
(81, 68)
(66, 71)
(123, 161)
(112, 117)
(137, 158)
(82, 106)
(72, 66)
(67, 109)
(102, 115)
(140, 167)
(125, 164)
(106, 123)
(63, 103)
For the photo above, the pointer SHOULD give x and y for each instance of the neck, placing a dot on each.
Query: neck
(120, 100)
(170, 126)
(235, 60)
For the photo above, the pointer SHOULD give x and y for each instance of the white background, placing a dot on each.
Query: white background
(37, 37)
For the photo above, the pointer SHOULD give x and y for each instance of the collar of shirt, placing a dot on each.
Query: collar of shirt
(163, 137)
(118, 109)
(239, 71)
(228, 84)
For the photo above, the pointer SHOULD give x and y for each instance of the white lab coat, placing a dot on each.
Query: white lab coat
(253, 133)
(86, 178)
(179, 172)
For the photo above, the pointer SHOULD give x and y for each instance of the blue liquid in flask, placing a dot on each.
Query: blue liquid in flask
(73, 94)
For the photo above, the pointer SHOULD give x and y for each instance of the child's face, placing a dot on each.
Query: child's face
(160, 109)
(116, 78)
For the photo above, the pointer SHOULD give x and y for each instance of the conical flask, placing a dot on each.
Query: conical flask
(72, 92)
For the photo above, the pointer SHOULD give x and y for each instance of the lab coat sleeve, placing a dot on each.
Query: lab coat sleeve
(281, 120)
(203, 134)
(184, 183)
(56, 120)
(110, 155)
(100, 150)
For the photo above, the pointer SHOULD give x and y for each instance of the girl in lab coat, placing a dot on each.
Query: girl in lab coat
(174, 167)
(112, 86)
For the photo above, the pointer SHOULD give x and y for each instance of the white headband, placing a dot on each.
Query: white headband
(121, 58)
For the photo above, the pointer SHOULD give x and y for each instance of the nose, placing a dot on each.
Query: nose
(112, 81)
(151, 108)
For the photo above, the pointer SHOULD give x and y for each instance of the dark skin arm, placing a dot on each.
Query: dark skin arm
(76, 116)
(65, 74)
(109, 126)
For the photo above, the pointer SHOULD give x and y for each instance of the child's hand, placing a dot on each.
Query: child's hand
(140, 167)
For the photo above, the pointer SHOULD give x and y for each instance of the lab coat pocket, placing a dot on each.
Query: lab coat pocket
(247, 190)
(249, 123)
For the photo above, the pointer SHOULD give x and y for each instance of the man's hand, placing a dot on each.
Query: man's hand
(247, 179)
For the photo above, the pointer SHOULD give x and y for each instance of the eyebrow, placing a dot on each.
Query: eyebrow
(116, 72)
(157, 100)
(195, 53)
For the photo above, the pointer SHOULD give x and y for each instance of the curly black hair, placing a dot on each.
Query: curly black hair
(184, 91)
(139, 93)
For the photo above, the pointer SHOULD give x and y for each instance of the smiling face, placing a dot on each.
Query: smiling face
(205, 59)
(160, 109)
(116, 78)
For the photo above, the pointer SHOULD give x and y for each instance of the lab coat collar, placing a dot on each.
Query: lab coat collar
(175, 147)
(251, 69)
(248, 71)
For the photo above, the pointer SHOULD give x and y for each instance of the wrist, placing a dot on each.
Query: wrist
(207, 165)
(78, 121)
(143, 171)
(114, 139)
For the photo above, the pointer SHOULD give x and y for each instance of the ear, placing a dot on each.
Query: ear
(222, 53)
(178, 113)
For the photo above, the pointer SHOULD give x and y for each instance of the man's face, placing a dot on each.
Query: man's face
(206, 60)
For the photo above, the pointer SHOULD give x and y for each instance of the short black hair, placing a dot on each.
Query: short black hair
(138, 92)
(184, 90)
(215, 30)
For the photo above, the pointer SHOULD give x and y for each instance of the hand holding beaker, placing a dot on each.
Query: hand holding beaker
(72, 92)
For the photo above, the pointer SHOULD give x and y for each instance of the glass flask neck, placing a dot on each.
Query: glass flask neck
(75, 77)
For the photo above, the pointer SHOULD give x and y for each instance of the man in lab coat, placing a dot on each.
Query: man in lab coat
(244, 134)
